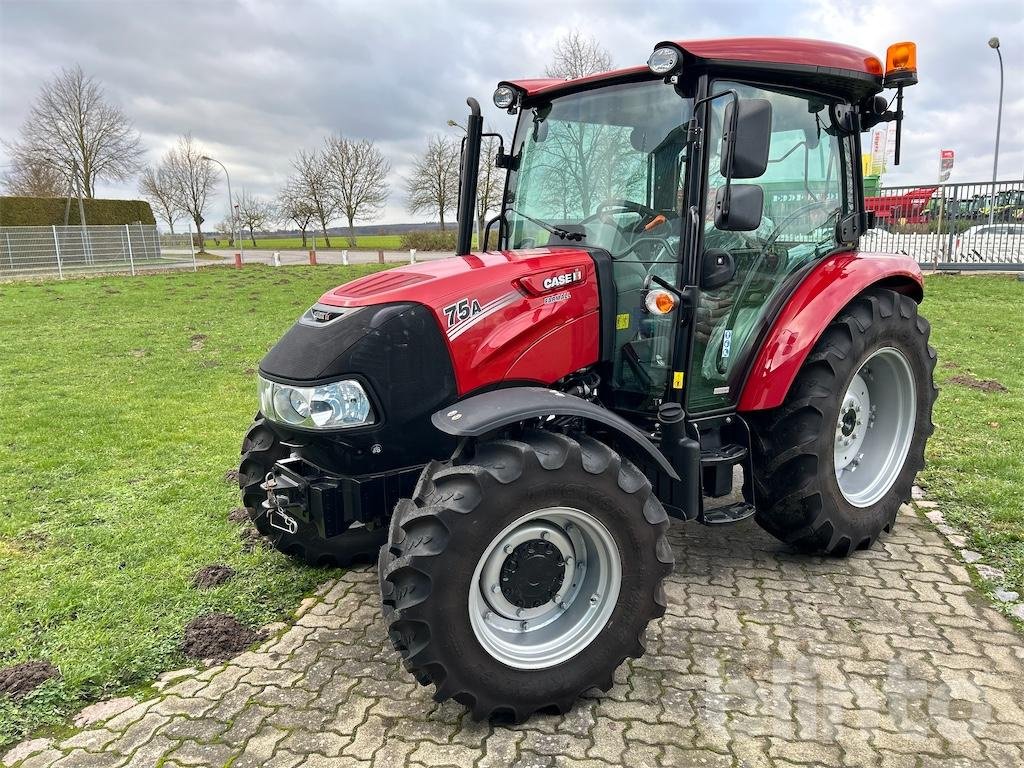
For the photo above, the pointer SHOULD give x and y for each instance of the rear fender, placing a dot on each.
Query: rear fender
(817, 300)
(480, 414)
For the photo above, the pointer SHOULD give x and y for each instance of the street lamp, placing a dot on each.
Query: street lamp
(994, 45)
(453, 124)
(236, 224)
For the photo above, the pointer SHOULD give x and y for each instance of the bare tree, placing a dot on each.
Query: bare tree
(227, 228)
(578, 56)
(313, 181)
(192, 179)
(31, 178)
(73, 128)
(254, 213)
(490, 185)
(434, 184)
(295, 207)
(156, 186)
(358, 179)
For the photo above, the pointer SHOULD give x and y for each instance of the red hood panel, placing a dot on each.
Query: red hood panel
(431, 281)
(530, 315)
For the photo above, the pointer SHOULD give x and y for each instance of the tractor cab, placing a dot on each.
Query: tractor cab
(707, 184)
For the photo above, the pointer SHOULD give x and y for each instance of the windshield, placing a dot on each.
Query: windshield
(605, 164)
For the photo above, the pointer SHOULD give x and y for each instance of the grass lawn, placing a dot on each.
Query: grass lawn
(122, 405)
(123, 402)
(976, 457)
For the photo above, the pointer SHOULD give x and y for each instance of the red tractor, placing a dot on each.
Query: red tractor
(676, 297)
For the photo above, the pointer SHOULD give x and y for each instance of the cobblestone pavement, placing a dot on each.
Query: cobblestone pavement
(764, 658)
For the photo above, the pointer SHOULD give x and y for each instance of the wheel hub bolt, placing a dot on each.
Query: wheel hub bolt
(524, 624)
(594, 598)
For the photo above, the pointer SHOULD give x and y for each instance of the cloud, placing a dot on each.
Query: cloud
(254, 81)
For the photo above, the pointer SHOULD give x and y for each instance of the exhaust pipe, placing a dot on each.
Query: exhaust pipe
(468, 175)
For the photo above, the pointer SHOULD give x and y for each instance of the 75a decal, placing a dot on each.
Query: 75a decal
(461, 310)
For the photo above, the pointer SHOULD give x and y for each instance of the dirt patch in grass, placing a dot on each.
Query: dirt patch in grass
(238, 515)
(984, 385)
(231, 477)
(198, 342)
(217, 636)
(210, 576)
(21, 679)
(253, 540)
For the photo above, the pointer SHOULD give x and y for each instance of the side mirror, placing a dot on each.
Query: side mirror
(745, 140)
(717, 268)
(739, 208)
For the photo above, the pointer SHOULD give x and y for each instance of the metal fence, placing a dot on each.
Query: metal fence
(66, 251)
(951, 226)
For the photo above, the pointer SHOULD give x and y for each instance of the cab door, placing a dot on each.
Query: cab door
(807, 190)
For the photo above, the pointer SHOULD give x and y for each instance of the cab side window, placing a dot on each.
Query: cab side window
(807, 191)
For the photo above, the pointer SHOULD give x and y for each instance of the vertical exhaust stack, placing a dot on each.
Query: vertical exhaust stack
(468, 175)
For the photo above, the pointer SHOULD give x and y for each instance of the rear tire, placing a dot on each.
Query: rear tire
(459, 517)
(799, 445)
(261, 449)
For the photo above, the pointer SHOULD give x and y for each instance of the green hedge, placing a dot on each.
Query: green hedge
(430, 240)
(45, 211)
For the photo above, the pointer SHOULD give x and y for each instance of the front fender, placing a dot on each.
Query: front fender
(477, 415)
(819, 298)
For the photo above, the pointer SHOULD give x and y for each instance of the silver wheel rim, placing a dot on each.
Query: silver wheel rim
(875, 427)
(547, 634)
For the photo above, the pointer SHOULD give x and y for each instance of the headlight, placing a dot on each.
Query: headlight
(663, 60)
(327, 406)
(504, 97)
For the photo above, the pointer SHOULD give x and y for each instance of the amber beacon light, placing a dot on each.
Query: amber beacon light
(901, 64)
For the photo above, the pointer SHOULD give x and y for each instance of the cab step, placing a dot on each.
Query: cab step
(731, 513)
(731, 453)
(716, 468)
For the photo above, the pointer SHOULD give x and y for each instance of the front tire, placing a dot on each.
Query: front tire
(835, 461)
(519, 580)
(261, 449)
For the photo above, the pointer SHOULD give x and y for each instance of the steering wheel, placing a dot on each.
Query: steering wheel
(793, 216)
(622, 205)
(664, 248)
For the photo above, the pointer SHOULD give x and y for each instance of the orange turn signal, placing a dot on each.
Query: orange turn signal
(660, 302)
(901, 64)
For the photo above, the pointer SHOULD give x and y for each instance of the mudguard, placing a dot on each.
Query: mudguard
(477, 415)
(814, 304)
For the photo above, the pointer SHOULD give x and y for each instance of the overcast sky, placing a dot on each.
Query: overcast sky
(255, 80)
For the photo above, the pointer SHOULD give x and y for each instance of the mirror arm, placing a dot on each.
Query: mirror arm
(733, 123)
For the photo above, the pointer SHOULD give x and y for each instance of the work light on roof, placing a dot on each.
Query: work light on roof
(504, 97)
(663, 60)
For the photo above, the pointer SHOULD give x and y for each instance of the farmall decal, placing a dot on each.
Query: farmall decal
(560, 281)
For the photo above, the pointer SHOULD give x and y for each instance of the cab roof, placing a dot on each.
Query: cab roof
(840, 66)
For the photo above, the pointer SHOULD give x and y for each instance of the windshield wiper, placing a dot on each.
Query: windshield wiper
(562, 233)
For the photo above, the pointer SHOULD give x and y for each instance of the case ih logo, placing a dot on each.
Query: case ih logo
(560, 281)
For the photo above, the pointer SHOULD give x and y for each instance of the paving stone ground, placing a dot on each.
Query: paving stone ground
(765, 658)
